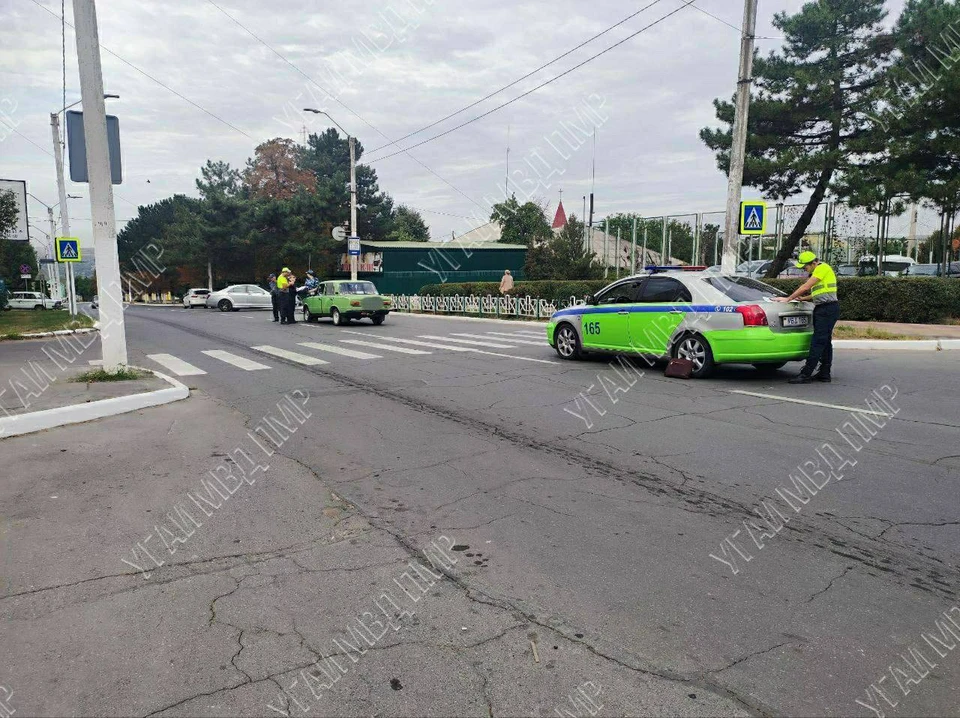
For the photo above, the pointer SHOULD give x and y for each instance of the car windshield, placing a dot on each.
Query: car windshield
(743, 289)
(357, 288)
(930, 270)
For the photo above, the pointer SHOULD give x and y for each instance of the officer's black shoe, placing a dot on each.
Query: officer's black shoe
(800, 379)
(820, 376)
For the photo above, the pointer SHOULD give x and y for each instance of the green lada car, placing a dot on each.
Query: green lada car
(706, 317)
(343, 300)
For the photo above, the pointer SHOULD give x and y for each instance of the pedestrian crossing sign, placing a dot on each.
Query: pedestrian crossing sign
(753, 217)
(68, 249)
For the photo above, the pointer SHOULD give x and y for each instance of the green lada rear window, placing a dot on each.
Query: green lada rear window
(357, 288)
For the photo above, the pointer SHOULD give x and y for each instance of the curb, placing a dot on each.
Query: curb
(901, 344)
(77, 413)
(60, 332)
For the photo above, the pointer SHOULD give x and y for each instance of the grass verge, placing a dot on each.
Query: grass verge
(844, 331)
(95, 375)
(17, 322)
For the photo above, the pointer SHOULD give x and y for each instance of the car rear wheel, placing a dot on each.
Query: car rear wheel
(695, 348)
(378, 320)
(225, 305)
(567, 342)
(335, 316)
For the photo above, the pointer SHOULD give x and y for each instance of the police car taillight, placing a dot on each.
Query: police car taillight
(753, 315)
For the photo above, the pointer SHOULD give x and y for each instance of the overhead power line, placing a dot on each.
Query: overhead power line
(576, 67)
(27, 139)
(149, 76)
(521, 79)
(340, 102)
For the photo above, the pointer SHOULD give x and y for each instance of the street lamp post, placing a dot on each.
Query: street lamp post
(62, 191)
(353, 185)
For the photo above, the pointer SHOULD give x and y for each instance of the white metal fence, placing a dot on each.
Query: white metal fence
(489, 306)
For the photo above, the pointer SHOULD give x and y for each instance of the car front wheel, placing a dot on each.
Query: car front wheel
(225, 305)
(567, 342)
(695, 348)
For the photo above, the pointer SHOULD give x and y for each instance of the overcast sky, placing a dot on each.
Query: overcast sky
(395, 65)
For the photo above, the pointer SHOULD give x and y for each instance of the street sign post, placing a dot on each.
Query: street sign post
(339, 234)
(353, 246)
(753, 217)
(68, 249)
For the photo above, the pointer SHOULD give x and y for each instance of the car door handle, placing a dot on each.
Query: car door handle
(623, 311)
(675, 311)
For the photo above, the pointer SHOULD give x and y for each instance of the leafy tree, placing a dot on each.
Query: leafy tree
(521, 223)
(13, 254)
(811, 105)
(218, 178)
(275, 173)
(8, 212)
(562, 256)
(408, 226)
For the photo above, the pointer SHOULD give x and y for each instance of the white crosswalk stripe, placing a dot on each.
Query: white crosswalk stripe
(234, 360)
(411, 342)
(385, 347)
(174, 365)
(527, 342)
(472, 342)
(292, 356)
(506, 336)
(340, 350)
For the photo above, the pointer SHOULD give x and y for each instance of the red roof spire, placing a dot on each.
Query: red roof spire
(560, 219)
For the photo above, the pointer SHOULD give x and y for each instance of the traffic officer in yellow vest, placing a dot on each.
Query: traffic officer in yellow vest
(822, 288)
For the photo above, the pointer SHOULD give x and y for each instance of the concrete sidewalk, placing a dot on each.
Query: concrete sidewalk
(38, 387)
(924, 331)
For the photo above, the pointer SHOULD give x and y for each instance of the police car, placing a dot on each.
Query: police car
(687, 312)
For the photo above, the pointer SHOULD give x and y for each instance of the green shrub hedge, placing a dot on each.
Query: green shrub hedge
(922, 300)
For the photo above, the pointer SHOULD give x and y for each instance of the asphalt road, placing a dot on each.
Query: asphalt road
(590, 494)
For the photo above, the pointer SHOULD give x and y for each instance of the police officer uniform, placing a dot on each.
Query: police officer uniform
(826, 312)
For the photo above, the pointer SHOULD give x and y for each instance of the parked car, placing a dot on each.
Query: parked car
(343, 300)
(196, 298)
(32, 300)
(237, 297)
(753, 268)
(848, 270)
(95, 302)
(922, 270)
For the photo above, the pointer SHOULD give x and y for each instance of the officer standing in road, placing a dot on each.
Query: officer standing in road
(274, 296)
(286, 286)
(822, 288)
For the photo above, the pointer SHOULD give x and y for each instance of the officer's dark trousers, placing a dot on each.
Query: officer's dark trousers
(825, 318)
(288, 308)
(275, 301)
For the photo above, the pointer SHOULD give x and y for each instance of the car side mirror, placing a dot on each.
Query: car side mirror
(590, 299)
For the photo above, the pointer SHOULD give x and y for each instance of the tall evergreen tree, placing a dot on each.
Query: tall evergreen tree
(811, 104)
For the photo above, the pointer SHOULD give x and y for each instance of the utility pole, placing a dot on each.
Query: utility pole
(54, 268)
(731, 233)
(64, 211)
(113, 338)
(353, 203)
(912, 239)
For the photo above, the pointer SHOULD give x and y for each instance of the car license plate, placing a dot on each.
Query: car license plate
(795, 321)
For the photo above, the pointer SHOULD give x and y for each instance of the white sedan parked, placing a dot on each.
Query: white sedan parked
(195, 298)
(239, 296)
(32, 300)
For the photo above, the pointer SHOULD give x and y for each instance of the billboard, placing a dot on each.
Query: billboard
(19, 189)
(367, 262)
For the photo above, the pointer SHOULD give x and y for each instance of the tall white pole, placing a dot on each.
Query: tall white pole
(55, 267)
(113, 337)
(64, 210)
(731, 233)
(353, 203)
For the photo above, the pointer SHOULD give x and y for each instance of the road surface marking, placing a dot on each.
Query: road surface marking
(411, 342)
(177, 366)
(471, 342)
(340, 350)
(239, 362)
(811, 403)
(96, 362)
(524, 333)
(400, 350)
(526, 342)
(292, 356)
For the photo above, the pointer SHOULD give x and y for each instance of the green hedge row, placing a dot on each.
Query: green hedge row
(921, 300)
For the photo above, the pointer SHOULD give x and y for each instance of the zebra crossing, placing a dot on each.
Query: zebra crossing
(361, 346)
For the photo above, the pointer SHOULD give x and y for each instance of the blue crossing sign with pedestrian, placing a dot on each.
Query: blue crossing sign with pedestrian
(68, 249)
(753, 217)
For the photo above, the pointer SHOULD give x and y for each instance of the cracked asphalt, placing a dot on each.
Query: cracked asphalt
(582, 556)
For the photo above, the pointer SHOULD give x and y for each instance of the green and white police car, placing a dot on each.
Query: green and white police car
(706, 317)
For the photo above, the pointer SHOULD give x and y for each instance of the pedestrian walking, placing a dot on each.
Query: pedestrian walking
(274, 296)
(506, 283)
(822, 288)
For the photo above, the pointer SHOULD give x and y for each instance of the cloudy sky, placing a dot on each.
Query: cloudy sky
(384, 69)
